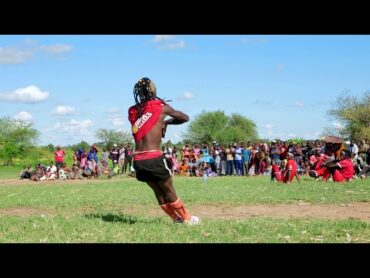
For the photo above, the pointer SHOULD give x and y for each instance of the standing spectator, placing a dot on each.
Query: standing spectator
(59, 155)
(175, 162)
(92, 161)
(353, 148)
(114, 155)
(368, 156)
(229, 161)
(363, 149)
(275, 153)
(128, 159)
(246, 158)
(121, 159)
(105, 158)
(239, 160)
(217, 158)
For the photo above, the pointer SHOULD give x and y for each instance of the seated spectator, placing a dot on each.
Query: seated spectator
(183, 168)
(76, 172)
(290, 170)
(39, 173)
(27, 173)
(365, 172)
(342, 170)
(63, 172)
(275, 172)
(346, 168)
(51, 172)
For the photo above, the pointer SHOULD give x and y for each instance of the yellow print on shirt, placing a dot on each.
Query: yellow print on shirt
(141, 121)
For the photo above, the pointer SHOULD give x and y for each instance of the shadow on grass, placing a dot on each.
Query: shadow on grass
(109, 217)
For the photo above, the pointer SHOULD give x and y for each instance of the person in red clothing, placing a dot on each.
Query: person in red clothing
(346, 168)
(318, 168)
(275, 172)
(290, 170)
(59, 155)
(147, 118)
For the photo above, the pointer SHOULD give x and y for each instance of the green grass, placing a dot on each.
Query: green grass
(109, 227)
(10, 172)
(117, 211)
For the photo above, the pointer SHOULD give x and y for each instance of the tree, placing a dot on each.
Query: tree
(16, 137)
(108, 137)
(217, 126)
(354, 113)
(83, 144)
(50, 147)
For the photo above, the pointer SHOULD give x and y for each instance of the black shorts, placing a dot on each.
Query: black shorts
(155, 169)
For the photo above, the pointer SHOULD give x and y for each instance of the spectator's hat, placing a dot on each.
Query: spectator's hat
(290, 154)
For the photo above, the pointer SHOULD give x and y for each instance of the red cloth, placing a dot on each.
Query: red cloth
(151, 112)
(292, 166)
(148, 155)
(276, 172)
(59, 156)
(346, 168)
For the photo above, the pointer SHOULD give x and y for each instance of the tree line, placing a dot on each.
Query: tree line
(18, 139)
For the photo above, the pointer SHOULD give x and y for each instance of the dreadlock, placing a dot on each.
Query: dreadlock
(144, 90)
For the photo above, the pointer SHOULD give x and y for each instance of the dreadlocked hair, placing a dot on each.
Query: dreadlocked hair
(144, 90)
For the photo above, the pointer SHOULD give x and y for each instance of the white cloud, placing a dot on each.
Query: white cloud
(73, 127)
(173, 46)
(338, 125)
(269, 126)
(176, 137)
(253, 40)
(23, 116)
(117, 122)
(160, 38)
(298, 104)
(280, 67)
(292, 135)
(63, 110)
(115, 117)
(186, 95)
(262, 102)
(14, 55)
(113, 110)
(30, 94)
(30, 47)
(56, 48)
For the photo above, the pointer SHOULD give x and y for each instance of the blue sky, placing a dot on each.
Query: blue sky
(70, 86)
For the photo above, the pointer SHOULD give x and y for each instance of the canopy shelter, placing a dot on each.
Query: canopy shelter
(333, 139)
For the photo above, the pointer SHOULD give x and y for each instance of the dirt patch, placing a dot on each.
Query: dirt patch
(301, 210)
(17, 182)
(359, 211)
(24, 212)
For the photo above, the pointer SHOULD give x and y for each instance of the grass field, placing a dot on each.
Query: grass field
(233, 210)
(10, 172)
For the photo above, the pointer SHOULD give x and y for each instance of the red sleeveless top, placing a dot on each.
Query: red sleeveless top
(152, 109)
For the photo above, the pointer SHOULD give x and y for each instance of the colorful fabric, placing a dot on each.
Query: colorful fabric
(142, 125)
